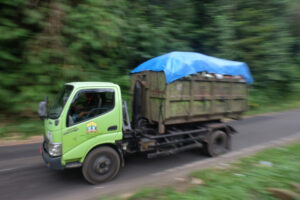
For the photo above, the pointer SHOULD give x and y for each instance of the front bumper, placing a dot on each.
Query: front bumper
(51, 162)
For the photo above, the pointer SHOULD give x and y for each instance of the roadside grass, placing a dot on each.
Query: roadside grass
(256, 108)
(21, 129)
(248, 178)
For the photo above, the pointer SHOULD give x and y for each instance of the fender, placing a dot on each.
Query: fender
(226, 127)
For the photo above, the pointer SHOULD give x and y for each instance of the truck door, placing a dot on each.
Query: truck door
(91, 113)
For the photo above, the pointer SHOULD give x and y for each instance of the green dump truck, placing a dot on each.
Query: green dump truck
(89, 126)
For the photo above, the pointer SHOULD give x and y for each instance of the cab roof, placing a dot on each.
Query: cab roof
(91, 84)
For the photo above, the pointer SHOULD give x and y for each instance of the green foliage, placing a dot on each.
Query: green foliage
(44, 44)
(21, 127)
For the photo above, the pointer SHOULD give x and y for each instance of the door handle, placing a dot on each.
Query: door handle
(112, 128)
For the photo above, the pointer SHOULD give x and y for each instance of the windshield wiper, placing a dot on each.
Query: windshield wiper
(53, 115)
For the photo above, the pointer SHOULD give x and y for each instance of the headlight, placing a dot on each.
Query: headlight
(54, 149)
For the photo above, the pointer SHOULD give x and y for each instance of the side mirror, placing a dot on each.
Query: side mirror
(42, 110)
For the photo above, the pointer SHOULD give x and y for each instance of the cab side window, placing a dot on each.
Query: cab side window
(88, 104)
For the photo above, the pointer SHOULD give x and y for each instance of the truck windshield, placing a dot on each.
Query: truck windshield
(60, 101)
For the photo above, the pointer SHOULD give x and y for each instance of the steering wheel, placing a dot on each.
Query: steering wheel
(89, 114)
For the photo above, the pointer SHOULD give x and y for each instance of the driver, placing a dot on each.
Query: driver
(80, 112)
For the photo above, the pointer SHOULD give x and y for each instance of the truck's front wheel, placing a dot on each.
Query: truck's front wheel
(102, 164)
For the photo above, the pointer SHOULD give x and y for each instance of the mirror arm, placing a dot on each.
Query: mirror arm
(46, 100)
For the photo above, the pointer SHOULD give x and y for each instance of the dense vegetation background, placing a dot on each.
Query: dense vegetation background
(45, 43)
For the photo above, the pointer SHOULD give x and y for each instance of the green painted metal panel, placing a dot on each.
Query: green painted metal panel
(79, 152)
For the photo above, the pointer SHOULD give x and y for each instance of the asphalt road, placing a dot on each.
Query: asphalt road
(23, 174)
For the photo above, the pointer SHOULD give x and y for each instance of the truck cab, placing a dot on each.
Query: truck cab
(84, 116)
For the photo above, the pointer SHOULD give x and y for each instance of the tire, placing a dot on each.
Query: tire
(102, 164)
(218, 143)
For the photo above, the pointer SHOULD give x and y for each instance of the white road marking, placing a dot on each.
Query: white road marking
(8, 169)
(158, 173)
(170, 170)
(99, 187)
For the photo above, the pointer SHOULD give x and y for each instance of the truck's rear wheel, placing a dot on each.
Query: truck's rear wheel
(102, 164)
(217, 143)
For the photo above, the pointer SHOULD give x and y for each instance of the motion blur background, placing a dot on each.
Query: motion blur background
(46, 43)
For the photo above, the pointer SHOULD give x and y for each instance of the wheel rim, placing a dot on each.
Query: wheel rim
(219, 144)
(102, 165)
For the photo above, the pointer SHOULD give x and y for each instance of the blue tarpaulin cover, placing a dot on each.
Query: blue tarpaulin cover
(179, 64)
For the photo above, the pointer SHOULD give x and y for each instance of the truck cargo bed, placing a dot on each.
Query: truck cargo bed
(190, 99)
